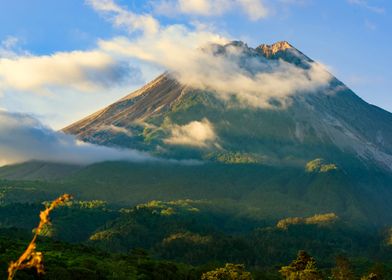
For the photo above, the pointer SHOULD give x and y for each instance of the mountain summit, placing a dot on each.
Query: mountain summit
(270, 50)
(267, 105)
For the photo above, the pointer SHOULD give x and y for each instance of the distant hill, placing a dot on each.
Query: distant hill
(37, 170)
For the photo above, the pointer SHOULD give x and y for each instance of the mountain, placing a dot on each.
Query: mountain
(171, 119)
(316, 149)
(319, 149)
(287, 159)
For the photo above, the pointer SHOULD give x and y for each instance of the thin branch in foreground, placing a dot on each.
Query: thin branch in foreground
(31, 258)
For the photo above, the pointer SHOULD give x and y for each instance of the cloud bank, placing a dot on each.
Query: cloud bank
(24, 138)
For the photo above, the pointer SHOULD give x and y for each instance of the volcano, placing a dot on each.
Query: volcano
(325, 123)
(267, 129)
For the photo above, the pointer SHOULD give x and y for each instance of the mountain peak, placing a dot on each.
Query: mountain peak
(173, 119)
(270, 50)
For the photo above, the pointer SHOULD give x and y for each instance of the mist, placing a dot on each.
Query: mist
(24, 138)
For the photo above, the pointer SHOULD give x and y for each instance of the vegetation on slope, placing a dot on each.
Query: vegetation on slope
(186, 238)
(206, 215)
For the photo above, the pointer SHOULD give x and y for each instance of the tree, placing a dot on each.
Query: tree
(229, 272)
(342, 271)
(303, 268)
(371, 276)
(377, 272)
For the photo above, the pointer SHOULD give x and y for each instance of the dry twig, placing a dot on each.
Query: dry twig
(30, 258)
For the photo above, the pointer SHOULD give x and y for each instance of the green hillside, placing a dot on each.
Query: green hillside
(271, 192)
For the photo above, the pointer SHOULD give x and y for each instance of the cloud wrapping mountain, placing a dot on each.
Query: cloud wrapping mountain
(230, 70)
(24, 138)
(116, 65)
(189, 54)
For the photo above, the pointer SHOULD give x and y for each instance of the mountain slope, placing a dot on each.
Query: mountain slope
(37, 170)
(171, 119)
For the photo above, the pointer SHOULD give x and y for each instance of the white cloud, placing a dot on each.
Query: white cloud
(106, 69)
(196, 133)
(116, 129)
(9, 47)
(53, 87)
(123, 17)
(255, 9)
(24, 138)
(77, 70)
(366, 5)
(228, 72)
(187, 54)
(173, 44)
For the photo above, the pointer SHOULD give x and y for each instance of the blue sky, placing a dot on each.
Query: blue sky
(352, 37)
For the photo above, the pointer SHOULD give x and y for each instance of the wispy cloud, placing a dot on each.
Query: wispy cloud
(366, 5)
(254, 9)
(125, 18)
(9, 42)
(9, 47)
(370, 25)
(24, 138)
(116, 129)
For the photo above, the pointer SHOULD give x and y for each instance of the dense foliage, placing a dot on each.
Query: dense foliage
(186, 239)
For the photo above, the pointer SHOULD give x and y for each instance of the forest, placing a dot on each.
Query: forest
(189, 239)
